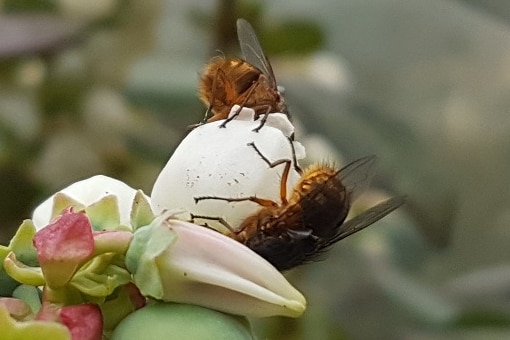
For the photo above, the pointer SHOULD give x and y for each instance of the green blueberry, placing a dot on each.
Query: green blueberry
(181, 321)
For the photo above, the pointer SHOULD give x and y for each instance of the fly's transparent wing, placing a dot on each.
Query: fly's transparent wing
(356, 176)
(366, 218)
(251, 49)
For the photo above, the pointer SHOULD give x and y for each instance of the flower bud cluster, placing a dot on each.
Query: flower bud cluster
(95, 252)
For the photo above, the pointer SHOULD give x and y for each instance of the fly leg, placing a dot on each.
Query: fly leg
(221, 220)
(286, 170)
(263, 120)
(281, 161)
(243, 104)
(260, 201)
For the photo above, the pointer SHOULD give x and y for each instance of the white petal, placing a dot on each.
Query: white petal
(89, 191)
(276, 120)
(214, 161)
(207, 268)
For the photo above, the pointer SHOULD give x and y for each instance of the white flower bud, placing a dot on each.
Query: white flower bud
(86, 193)
(177, 261)
(215, 161)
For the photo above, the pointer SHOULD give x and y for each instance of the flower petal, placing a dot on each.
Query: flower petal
(31, 329)
(17, 308)
(63, 246)
(113, 241)
(104, 214)
(87, 192)
(141, 212)
(84, 321)
(193, 264)
(100, 276)
(20, 247)
(22, 273)
(212, 161)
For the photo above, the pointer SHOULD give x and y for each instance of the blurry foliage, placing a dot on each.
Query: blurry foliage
(76, 124)
(286, 36)
(24, 6)
(110, 88)
(292, 38)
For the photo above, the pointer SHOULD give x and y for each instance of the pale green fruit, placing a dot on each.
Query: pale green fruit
(180, 321)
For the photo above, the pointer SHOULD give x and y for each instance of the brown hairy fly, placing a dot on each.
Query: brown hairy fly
(300, 229)
(248, 82)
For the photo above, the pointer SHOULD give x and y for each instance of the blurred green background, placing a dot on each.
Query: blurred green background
(109, 86)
